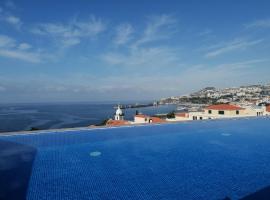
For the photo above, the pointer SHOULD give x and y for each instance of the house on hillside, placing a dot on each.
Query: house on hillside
(224, 110)
(254, 110)
(144, 119)
(267, 110)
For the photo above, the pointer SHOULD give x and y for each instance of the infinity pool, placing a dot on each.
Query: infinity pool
(192, 160)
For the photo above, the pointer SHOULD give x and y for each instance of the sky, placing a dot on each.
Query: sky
(118, 50)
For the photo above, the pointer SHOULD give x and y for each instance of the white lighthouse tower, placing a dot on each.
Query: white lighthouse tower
(119, 115)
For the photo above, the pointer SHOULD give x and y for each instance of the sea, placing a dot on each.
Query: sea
(24, 117)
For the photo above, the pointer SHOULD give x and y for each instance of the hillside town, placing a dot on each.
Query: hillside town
(252, 94)
(206, 104)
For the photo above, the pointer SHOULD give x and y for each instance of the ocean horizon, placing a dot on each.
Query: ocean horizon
(25, 116)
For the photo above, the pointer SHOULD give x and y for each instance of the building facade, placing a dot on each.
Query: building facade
(144, 119)
(224, 110)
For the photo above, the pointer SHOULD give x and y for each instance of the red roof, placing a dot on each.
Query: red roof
(153, 119)
(157, 120)
(268, 108)
(224, 107)
(117, 123)
(141, 116)
(181, 114)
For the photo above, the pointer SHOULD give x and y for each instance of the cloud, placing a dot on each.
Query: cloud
(123, 34)
(264, 23)
(150, 57)
(158, 28)
(231, 46)
(70, 34)
(10, 49)
(205, 32)
(24, 46)
(147, 58)
(7, 42)
(9, 18)
(13, 20)
(67, 42)
(241, 65)
(21, 55)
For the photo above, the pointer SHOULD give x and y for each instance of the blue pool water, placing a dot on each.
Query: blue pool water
(192, 160)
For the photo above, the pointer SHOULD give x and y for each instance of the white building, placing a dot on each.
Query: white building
(254, 110)
(119, 114)
(222, 111)
(144, 119)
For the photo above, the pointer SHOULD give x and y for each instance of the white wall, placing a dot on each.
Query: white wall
(140, 120)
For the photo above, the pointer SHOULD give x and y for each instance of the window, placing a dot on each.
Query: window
(200, 118)
(221, 112)
(237, 112)
(209, 111)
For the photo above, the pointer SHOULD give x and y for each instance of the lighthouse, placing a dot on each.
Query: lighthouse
(119, 115)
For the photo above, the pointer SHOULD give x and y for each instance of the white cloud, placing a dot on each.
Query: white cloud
(69, 34)
(10, 49)
(158, 28)
(147, 58)
(150, 57)
(13, 20)
(89, 28)
(231, 46)
(123, 34)
(70, 41)
(241, 65)
(205, 32)
(21, 55)
(264, 23)
(24, 46)
(6, 42)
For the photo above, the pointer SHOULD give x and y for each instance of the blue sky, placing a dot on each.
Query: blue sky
(94, 50)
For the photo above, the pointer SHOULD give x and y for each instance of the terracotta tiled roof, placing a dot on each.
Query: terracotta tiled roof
(268, 108)
(224, 107)
(153, 119)
(141, 116)
(157, 120)
(181, 114)
(117, 123)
